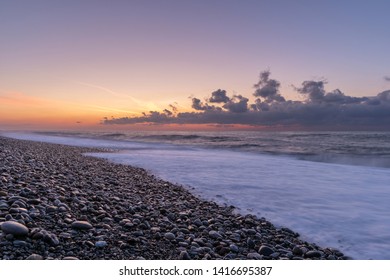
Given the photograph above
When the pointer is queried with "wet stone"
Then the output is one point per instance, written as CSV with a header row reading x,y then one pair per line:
x,y
313,254
297,251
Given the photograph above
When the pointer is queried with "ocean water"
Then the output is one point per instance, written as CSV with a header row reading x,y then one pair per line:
x,y
331,187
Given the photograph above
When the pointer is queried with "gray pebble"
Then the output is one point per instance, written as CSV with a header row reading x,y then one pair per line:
x,y
81,225
100,244
265,250
313,254
254,256
34,257
169,236
14,228
184,255
214,234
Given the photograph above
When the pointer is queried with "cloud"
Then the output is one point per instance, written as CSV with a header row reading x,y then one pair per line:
x,y
268,88
219,96
386,78
200,106
315,93
320,109
21,99
238,104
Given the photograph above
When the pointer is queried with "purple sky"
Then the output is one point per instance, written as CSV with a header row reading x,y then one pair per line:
x,y
84,60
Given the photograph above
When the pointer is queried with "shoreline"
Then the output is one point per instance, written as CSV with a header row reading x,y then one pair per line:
x,y
81,207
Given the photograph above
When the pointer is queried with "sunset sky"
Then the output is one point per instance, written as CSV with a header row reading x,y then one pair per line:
x,y
70,64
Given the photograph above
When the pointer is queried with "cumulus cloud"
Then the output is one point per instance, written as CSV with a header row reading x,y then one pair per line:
x,y
238,104
315,93
268,88
219,96
198,105
320,109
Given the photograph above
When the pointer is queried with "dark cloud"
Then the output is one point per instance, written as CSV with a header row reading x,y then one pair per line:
x,y
268,88
315,93
386,78
320,110
314,90
219,96
200,106
173,108
238,104
167,112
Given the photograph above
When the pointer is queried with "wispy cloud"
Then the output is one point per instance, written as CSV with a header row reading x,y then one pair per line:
x,y
21,99
113,93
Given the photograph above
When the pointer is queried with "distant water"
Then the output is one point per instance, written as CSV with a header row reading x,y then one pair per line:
x,y
332,187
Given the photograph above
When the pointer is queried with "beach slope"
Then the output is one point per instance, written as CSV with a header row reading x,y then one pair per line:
x,y
56,203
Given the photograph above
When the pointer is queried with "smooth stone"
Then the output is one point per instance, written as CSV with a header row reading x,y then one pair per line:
x,y
254,256
233,248
70,258
100,244
198,222
266,251
20,243
297,251
34,257
184,255
51,209
169,236
313,254
81,225
52,239
14,228
214,234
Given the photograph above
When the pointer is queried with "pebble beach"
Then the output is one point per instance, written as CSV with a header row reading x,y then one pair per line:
x,y
56,203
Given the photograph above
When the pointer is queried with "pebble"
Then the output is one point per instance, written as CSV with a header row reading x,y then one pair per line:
x,y
297,251
20,243
214,234
254,256
313,254
265,250
234,248
71,258
169,236
100,244
14,228
184,255
34,257
81,225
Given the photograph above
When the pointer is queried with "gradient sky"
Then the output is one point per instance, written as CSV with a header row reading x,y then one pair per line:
x,y
71,63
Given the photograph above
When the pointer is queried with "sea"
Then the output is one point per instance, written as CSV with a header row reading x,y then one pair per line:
x,y
331,187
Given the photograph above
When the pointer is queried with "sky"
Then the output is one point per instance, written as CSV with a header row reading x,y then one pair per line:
x,y
83,64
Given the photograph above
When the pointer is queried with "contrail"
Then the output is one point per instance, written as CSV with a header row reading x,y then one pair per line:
x,y
135,100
